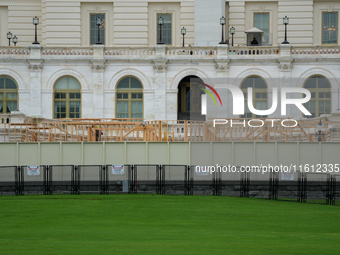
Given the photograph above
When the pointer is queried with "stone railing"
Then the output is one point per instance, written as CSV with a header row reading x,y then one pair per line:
x,y
16,52
129,51
315,50
220,52
67,51
250,50
191,51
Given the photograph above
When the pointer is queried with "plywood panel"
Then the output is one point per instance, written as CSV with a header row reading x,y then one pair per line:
x,y
265,153
93,154
135,153
244,154
179,153
287,153
114,153
309,153
8,154
200,154
50,154
72,154
28,154
157,153
330,153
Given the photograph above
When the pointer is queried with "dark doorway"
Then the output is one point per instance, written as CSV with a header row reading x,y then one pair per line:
x,y
189,99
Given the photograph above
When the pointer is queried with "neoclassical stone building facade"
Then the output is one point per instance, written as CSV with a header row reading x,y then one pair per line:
x,y
130,76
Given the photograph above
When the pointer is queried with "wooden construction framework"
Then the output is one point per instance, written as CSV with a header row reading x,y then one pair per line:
x,y
118,130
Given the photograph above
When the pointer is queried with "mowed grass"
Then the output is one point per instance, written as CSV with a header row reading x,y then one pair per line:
x,y
150,224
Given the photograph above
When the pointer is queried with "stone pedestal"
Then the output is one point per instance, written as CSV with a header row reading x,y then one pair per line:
x,y
17,117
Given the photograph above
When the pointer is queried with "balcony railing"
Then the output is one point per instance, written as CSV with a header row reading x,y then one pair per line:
x,y
195,52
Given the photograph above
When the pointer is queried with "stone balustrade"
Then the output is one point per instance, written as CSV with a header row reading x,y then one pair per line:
x,y
260,50
67,52
232,52
191,51
317,50
17,52
142,51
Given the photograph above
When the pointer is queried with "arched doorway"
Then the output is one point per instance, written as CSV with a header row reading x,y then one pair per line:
x,y
189,99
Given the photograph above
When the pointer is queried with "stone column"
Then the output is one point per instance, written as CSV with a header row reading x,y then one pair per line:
x,y
98,67
160,65
35,66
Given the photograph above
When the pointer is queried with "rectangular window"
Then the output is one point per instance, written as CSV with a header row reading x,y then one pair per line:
x,y
94,29
261,21
166,29
122,109
330,28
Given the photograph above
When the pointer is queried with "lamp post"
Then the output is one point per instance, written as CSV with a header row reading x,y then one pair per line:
x,y
98,22
285,22
15,40
9,37
232,32
222,22
36,23
160,23
319,128
183,32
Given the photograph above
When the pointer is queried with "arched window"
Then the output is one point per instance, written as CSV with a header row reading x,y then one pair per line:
x,y
67,98
129,98
259,96
320,102
8,95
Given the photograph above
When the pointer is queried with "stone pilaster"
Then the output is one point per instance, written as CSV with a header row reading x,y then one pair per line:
x,y
284,80
98,68
35,65
160,66
222,61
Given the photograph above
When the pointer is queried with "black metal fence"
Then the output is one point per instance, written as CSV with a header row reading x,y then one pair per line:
x,y
169,179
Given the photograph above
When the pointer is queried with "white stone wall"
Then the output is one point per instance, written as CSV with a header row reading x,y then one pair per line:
x,y
160,74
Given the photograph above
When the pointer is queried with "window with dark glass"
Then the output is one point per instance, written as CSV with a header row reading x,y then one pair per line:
x,y
260,96
8,95
320,102
166,28
67,98
330,28
261,21
129,98
94,29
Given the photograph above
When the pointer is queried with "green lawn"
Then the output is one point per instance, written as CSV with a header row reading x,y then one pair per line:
x,y
150,224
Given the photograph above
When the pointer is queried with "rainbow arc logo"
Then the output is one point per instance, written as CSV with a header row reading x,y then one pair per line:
x,y
204,97
209,93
